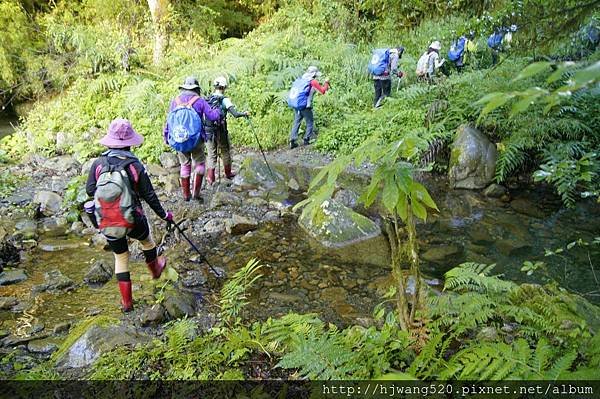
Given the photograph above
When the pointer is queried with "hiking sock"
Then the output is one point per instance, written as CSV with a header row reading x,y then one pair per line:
x,y
124,276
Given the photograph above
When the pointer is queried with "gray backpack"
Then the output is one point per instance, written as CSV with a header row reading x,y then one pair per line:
x,y
115,198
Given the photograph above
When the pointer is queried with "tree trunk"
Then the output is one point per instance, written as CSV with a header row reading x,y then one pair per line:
x,y
159,10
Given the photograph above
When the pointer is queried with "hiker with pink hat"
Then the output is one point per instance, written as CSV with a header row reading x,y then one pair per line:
x,y
118,182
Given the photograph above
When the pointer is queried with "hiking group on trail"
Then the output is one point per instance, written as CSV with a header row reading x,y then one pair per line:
x,y
196,128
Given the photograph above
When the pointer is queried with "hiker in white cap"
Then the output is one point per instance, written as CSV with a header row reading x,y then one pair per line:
x,y
430,62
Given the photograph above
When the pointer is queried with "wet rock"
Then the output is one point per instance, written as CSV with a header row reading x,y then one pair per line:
x,y
54,227
61,328
13,340
95,341
77,228
224,198
61,245
293,184
152,316
527,207
22,306
44,346
27,229
487,334
99,241
472,160
7,302
254,173
334,294
511,246
347,198
168,160
171,182
193,278
180,304
442,253
285,298
241,224
9,277
271,216
55,281
206,321
214,226
87,165
64,163
156,170
99,274
9,255
479,234
49,203
495,191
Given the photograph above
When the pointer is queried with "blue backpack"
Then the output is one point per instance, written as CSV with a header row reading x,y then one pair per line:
x,y
379,61
457,49
185,126
495,40
298,97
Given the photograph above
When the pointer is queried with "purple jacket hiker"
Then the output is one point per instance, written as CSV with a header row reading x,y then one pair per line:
x,y
201,107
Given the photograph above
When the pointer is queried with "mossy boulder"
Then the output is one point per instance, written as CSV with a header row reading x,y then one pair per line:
x,y
472,159
347,234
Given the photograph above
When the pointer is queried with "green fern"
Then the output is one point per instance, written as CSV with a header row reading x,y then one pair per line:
x,y
234,294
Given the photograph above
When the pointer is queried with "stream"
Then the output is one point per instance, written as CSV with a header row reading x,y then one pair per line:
x,y
299,273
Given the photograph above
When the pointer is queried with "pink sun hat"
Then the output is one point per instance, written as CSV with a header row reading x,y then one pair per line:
x,y
121,134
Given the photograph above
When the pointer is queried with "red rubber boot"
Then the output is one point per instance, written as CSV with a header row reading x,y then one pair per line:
x,y
210,175
196,187
185,188
157,266
228,173
126,299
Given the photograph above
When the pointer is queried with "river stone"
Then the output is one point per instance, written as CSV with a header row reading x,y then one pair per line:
x,y
168,160
61,327
55,281
95,341
49,203
44,346
472,160
293,184
54,227
224,198
336,225
180,304
526,207
511,246
271,216
99,274
57,245
254,172
7,302
334,294
214,226
240,224
9,277
346,197
284,298
442,253
495,191
9,254
87,165
152,315
256,201
63,163
193,278
487,334
156,170
171,182
479,234
26,228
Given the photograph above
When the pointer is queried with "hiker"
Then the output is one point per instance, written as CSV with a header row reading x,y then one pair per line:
x,y
184,132
384,64
217,135
500,41
429,62
457,53
118,181
300,99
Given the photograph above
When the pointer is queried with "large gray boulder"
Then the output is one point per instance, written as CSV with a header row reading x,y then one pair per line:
x,y
472,160
49,202
347,234
93,342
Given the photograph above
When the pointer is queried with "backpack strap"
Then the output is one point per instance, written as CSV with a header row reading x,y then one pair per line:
x,y
192,101
126,165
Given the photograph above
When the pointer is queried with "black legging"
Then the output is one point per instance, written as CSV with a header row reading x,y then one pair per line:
x,y
383,88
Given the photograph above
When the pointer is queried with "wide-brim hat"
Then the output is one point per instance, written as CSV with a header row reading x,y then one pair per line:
x,y
190,83
121,134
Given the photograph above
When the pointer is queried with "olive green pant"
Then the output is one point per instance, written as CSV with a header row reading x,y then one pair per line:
x,y
218,144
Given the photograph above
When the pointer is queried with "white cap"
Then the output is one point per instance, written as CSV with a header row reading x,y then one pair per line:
x,y
220,82
435,45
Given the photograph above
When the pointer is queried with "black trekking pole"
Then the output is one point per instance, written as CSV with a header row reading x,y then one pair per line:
x,y
195,248
260,147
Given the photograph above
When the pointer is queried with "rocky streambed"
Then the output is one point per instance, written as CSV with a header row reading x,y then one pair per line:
x,y
58,273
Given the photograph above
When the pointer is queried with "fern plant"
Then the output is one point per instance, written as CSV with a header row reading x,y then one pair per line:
x,y
234,294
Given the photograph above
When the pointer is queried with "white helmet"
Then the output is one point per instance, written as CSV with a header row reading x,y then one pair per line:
x,y
435,45
220,82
